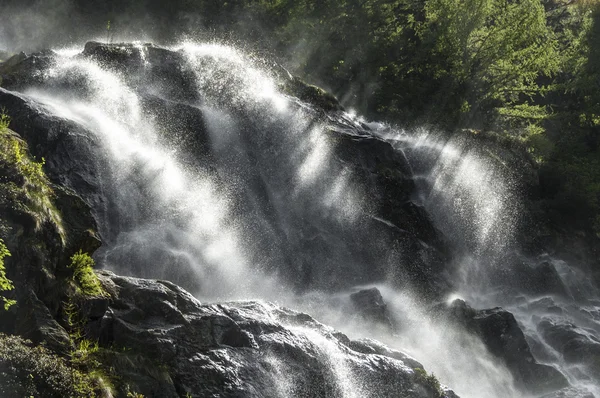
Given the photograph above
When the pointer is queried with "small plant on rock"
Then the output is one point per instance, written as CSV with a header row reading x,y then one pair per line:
x,y
5,283
429,381
84,276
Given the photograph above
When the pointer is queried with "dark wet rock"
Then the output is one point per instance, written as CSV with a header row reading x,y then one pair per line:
x,y
247,349
40,237
123,57
545,305
77,215
312,94
22,69
34,322
570,392
541,279
503,337
370,346
576,345
369,304
42,225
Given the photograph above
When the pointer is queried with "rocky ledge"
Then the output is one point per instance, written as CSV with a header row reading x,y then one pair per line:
x,y
239,349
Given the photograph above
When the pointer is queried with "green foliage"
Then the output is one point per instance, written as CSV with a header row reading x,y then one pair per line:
x,y
27,186
83,275
27,370
429,381
4,121
5,283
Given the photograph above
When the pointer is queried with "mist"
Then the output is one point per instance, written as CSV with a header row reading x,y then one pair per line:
x,y
270,211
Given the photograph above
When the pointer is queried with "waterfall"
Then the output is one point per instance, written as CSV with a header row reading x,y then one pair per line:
x,y
474,198
214,177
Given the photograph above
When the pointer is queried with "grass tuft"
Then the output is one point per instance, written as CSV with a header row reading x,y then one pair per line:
x,y
84,276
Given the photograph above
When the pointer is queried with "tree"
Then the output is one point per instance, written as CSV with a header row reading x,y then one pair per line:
x,y
493,51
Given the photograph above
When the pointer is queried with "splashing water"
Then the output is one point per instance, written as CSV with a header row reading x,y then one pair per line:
x,y
271,192
472,197
188,209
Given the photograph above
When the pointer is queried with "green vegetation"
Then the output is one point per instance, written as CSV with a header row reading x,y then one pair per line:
x,y
528,70
5,283
28,370
23,183
429,381
83,275
87,356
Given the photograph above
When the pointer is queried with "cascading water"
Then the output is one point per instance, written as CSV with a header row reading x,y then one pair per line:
x,y
212,177
474,198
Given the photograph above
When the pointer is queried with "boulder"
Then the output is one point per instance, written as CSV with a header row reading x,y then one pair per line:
x,y
248,349
576,345
369,305
503,337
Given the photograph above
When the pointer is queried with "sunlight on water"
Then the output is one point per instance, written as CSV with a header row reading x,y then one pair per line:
x,y
471,200
273,156
68,51
317,152
348,384
114,112
225,71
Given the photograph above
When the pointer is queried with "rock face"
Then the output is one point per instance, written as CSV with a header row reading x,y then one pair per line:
x,y
370,306
240,349
503,337
576,345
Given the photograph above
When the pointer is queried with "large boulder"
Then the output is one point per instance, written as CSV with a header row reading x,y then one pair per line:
x,y
248,349
370,306
503,337
577,346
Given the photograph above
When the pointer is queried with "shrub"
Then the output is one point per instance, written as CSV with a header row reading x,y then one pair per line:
x,y
27,370
84,276
429,381
5,283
